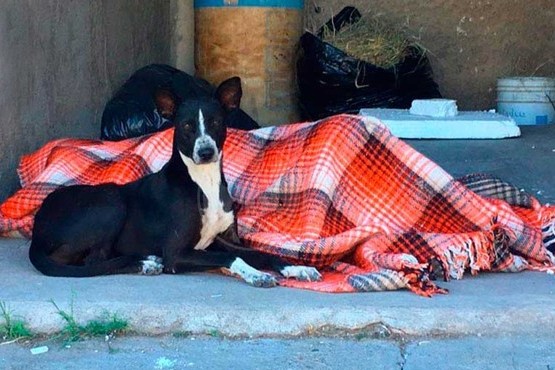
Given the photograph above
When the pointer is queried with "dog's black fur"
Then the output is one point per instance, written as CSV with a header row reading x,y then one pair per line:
x,y
162,222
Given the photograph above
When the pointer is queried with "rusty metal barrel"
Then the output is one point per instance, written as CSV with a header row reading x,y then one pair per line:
x,y
257,41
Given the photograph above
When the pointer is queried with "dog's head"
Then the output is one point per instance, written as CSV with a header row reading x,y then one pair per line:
x,y
166,103
200,128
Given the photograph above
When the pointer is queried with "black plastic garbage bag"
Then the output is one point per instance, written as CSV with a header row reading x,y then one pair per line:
x,y
132,111
332,82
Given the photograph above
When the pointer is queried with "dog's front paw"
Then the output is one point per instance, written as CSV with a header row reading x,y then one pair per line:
x,y
302,273
261,280
154,258
251,275
152,265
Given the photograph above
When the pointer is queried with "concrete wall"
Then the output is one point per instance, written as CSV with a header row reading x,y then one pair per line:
x,y
60,61
471,43
182,35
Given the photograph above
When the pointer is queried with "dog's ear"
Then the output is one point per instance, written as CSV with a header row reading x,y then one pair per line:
x,y
166,103
229,93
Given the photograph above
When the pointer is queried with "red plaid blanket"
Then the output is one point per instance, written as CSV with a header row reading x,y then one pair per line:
x,y
342,194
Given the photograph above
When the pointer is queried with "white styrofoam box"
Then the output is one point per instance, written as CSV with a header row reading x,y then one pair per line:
x,y
434,107
466,125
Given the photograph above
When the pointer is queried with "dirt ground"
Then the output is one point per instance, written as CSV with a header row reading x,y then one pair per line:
x,y
471,43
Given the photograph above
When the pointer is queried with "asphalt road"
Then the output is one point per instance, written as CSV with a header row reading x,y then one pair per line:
x,y
519,352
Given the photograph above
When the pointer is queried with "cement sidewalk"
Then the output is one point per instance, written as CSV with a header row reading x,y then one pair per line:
x,y
488,304
202,303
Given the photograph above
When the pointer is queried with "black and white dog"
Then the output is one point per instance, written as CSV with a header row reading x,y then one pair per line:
x,y
177,220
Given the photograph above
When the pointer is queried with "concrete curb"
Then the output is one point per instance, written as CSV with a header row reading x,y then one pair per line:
x,y
41,318
488,304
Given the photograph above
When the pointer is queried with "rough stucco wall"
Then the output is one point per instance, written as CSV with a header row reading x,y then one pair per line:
x,y
59,63
471,43
183,35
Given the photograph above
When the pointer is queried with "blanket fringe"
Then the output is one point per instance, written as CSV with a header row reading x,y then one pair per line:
x,y
547,219
474,251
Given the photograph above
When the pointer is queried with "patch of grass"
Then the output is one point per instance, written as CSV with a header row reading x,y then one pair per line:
x,y
215,333
71,330
182,334
110,324
362,336
12,329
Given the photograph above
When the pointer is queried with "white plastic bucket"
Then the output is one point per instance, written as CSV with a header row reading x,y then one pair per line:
x,y
527,99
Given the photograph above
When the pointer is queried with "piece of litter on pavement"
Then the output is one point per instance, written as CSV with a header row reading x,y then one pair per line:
x,y
39,350
164,363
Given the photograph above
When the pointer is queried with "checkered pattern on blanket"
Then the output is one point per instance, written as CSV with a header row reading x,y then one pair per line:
x,y
341,194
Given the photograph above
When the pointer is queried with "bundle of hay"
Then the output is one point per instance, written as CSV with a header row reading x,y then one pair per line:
x,y
370,40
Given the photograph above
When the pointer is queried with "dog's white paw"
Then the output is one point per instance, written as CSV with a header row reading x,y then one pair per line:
x,y
302,273
152,265
251,275
154,258
261,280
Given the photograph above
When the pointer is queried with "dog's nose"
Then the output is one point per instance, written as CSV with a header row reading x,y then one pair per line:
x,y
206,154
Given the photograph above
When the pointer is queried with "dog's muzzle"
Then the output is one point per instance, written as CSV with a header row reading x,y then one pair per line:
x,y
205,155
205,150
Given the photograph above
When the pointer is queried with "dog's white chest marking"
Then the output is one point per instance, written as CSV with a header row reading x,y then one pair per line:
x,y
214,219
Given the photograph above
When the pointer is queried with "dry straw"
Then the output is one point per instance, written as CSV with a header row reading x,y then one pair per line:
x,y
370,40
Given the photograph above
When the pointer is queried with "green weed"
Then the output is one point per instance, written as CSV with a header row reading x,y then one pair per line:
x,y
110,325
11,328
107,325
215,333
182,334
